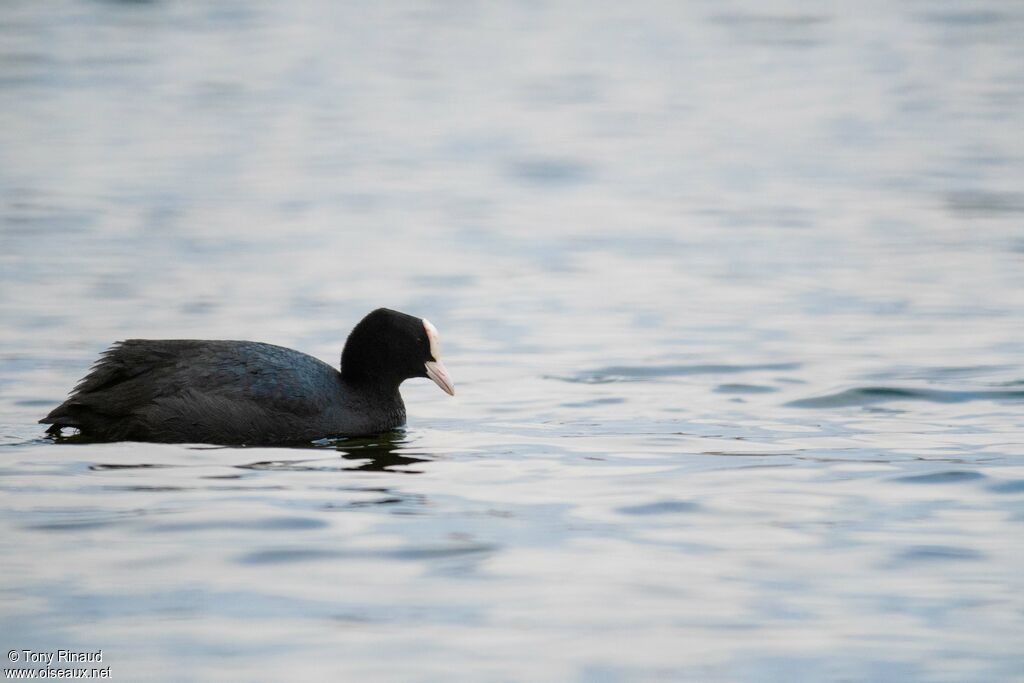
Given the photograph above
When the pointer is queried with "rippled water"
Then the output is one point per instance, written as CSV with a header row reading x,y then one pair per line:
x,y
732,295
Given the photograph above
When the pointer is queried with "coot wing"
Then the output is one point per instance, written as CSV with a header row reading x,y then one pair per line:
x,y
139,381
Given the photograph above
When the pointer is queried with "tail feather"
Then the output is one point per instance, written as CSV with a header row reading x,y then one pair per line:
x,y
87,420
104,401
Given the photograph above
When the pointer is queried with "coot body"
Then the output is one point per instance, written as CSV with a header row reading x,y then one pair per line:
x,y
243,392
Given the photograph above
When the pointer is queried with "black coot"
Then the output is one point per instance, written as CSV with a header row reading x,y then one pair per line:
x,y
240,392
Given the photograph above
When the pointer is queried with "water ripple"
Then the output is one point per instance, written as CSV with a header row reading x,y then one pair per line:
x,y
951,477
935,553
639,373
289,555
863,396
664,507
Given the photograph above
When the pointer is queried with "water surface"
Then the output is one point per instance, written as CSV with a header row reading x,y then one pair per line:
x,y
732,296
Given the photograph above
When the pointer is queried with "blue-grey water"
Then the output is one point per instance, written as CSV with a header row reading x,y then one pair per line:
x,y
732,294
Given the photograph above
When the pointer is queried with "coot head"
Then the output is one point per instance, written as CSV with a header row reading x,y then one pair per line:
x,y
388,347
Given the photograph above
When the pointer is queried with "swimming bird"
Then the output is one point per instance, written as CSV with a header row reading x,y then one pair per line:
x,y
243,392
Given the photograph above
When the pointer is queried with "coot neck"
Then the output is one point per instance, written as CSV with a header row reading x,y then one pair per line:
x,y
372,387
378,403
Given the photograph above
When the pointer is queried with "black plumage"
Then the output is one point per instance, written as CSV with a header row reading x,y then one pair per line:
x,y
242,392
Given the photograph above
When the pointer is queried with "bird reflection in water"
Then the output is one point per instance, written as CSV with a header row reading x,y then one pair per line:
x,y
379,453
